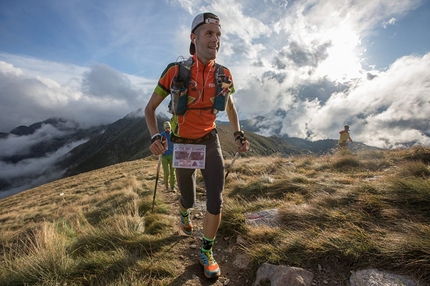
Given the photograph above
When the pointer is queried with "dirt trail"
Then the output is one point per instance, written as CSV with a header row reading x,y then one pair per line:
x,y
225,248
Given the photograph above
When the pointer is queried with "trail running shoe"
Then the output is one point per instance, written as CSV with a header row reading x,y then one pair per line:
x,y
210,266
186,225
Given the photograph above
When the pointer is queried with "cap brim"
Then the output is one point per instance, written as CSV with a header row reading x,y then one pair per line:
x,y
192,49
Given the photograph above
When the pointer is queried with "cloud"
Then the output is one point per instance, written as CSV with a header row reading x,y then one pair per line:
x,y
298,69
21,145
310,79
32,172
99,95
298,63
389,110
34,167
392,21
105,82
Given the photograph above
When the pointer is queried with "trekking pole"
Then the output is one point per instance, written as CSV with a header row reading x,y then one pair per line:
x,y
156,181
229,167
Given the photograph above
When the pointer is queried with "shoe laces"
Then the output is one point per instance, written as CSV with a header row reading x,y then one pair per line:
x,y
186,219
208,257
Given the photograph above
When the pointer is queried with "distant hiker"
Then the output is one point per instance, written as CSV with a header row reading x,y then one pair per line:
x,y
344,137
167,159
199,88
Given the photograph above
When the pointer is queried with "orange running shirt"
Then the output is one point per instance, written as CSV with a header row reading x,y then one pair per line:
x,y
199,119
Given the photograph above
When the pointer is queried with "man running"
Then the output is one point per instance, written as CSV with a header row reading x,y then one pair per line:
x,y
344,137
167,159
194,129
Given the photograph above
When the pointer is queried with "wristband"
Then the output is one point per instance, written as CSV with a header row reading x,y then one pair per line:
x,y
238,134
240,138
155,137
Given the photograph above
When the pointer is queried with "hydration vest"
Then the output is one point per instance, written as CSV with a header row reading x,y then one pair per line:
x,y
178,104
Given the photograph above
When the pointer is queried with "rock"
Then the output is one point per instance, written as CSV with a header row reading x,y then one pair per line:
x,y
374,277
241,261
281,275
263,218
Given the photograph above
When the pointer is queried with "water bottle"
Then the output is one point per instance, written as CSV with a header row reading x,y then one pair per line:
x,y
179,96
223,90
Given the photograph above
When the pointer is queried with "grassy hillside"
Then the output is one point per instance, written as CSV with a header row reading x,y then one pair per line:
x,y
338,213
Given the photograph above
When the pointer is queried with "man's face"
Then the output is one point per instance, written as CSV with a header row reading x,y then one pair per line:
x,y
208,41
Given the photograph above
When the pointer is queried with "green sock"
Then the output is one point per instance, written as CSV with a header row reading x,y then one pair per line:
x,y
185,213
207,243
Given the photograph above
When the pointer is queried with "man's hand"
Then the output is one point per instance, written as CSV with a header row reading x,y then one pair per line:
x,y
241,142
242,145
158,146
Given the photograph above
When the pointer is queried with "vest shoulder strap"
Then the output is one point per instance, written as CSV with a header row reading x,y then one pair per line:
x,y
185,71
184,74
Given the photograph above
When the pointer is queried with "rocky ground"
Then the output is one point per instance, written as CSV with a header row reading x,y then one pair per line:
x,y
225,251
228,251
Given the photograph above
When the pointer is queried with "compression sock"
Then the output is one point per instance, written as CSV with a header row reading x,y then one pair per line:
x,y
185,213
207,244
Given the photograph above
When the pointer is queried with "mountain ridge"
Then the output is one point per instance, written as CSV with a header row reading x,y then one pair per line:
x,y
128,139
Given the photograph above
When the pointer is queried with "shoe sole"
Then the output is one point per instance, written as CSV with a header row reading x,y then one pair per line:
x,y
186,232
213,275
182,228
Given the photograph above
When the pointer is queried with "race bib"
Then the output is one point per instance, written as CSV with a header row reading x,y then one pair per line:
x,y
189,156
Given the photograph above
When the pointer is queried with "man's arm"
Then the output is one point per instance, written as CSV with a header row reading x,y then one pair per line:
x,y
242,145
157,146
150,116
232,114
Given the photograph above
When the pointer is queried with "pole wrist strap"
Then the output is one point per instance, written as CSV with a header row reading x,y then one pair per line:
x,y
155,137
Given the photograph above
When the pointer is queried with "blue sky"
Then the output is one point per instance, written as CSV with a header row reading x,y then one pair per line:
x,y
308,66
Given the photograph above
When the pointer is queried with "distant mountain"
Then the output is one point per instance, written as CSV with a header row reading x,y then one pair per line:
x,y
260,123
67,131
324,146
59,123
124,140
27,152
260,145
129,139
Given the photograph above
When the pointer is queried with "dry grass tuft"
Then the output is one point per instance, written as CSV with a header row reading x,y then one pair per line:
x,y
345,211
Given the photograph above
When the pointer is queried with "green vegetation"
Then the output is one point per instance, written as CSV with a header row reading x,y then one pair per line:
x,y
346,211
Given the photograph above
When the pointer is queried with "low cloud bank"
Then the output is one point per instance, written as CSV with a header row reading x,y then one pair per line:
x,y
18,174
